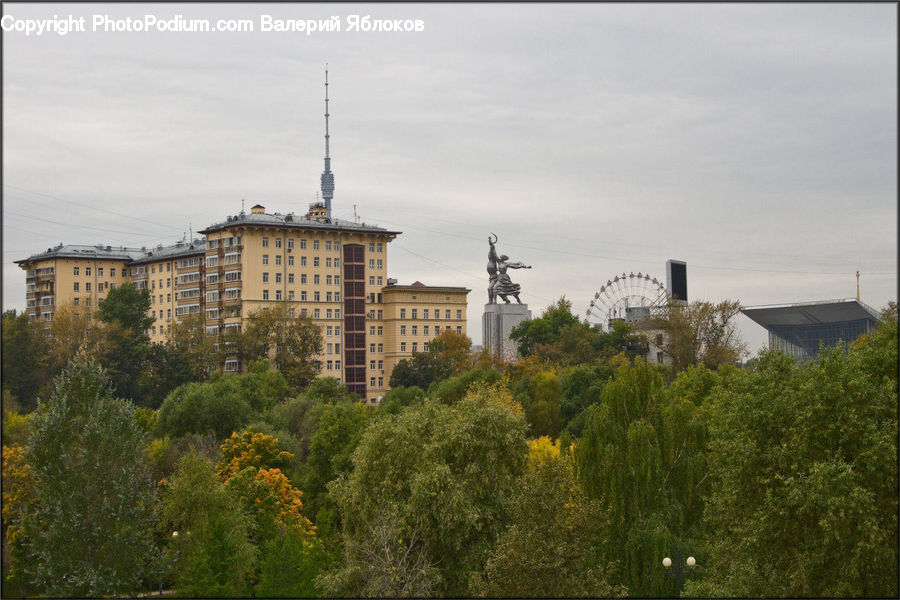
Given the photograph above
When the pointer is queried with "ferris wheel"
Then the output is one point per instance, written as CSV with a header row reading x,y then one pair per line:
x,y
630,298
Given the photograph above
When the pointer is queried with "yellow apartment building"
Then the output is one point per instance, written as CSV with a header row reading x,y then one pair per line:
x,y
413,316
73,274
333,271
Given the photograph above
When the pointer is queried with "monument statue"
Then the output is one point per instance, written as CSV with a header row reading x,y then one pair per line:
x,y
500,283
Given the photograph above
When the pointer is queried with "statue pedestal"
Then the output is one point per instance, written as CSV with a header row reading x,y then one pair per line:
x,y
496,323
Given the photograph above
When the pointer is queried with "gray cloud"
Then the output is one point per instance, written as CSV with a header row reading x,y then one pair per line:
x,y
757,142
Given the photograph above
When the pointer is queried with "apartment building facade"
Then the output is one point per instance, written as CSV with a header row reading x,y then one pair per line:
x,y
333,271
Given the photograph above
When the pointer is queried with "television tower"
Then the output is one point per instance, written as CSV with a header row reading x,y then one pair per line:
x,y
327,175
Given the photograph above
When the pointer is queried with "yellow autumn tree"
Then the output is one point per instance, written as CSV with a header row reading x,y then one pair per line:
x,y
18,494
251,449
494,392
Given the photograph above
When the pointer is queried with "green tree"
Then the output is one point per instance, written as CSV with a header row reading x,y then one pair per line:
x,y
421,370
340,428
210,553
453,389
702,333
550,547
290,562
442,476
642,456
217,405
543,412
25,358
290,342
544,330
89,528
804,488
125,347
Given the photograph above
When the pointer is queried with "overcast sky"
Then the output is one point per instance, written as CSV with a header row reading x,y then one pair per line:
x,y
757,142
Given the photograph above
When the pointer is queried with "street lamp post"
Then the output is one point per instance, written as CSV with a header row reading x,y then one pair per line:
x,y
679,572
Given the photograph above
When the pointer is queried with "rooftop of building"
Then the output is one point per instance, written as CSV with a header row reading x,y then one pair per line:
x,y
418,285
183,248
811,313
308,221
84,251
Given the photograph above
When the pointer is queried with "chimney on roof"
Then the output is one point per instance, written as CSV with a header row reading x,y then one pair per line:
x,y
258,209
317,210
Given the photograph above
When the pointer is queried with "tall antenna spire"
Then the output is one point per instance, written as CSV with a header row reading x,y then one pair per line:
x,y
327,175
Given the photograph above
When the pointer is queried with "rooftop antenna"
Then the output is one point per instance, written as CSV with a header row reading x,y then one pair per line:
x,y
327,175
857,285
191,229
242,206
355,218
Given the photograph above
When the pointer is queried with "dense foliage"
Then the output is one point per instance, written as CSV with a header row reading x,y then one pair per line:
x,y
571,472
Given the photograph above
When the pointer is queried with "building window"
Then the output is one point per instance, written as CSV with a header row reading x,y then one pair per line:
x,y
659,355
278,294
265,242
76,286
317,297
303,295
402,313
290,278
327,296
87,271
291,297
372,332
381,382
87,285
402,346
278,242
231,365
75,271
265,278
327,245
371,382
277,277
371,246
317,314
303,278
415,330
265,259
380,264
459,313
415,346
425,330
291,260
371,263
380,348
112,271
379,246
303,244
302,261
277,259
447,314
415,313
380,281
328,313
316,280
99,271
290,243
458,329
315,261
315,244
265,294
372,348
329,348
74,301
